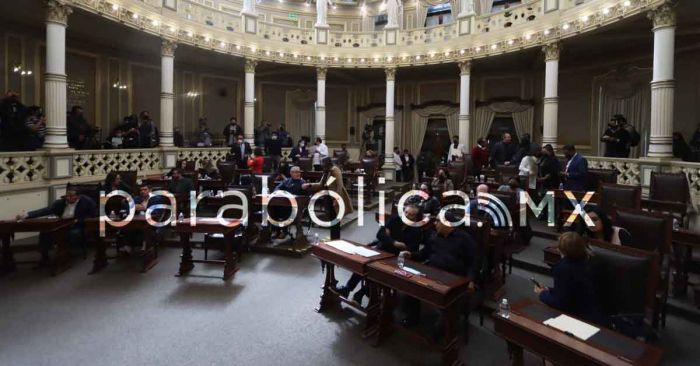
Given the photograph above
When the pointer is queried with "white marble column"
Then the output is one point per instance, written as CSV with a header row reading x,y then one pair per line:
x,y
167,96
389,124
57,13
662,83
249,105
551,94
464,79
321,103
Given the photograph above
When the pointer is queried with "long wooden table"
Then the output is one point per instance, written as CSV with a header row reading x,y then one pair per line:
x,y
438,288
524,329
56,227
683,241
357,264
208,226
138,222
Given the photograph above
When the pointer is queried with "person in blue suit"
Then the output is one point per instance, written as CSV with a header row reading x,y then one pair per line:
x,y
576,170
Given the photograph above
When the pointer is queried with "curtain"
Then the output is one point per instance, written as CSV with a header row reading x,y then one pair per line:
x,y
421,14
299,112
483,116
523,121
419,123
484,7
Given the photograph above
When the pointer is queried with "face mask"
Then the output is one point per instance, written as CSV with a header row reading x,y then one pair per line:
x,y
274,137
302,144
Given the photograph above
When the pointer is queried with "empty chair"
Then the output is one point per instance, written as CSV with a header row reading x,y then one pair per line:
x,y
596,177
613,196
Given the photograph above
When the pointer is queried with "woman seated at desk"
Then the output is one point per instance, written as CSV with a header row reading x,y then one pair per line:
x,y
602,228
574,291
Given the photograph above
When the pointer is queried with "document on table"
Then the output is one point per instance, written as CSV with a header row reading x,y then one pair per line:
x,y
575,327
350,248
413,271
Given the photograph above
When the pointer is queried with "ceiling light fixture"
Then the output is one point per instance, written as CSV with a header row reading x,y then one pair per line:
x,y
478,49
222,44
417,57
584,18
135,16
115,7
627,3
606,11
461,52
546,32
528,36
154,23
510,42
565,26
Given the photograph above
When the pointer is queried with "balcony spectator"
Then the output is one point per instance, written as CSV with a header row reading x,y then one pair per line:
x,y
231,131
148,132
681,150
130,132
115,140
36,123
203,136
12,117
284,136
178,139
273,148
80,133
616,139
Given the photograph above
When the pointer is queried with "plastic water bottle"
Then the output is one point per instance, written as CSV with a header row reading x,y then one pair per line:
x,y
676,224
316,241
504,308
401,260
181,217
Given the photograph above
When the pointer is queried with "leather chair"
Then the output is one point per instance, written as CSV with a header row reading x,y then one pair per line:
x,y
651,232
341,157
627,281
227,169
457,174
669,193
613,196
305,164
597,176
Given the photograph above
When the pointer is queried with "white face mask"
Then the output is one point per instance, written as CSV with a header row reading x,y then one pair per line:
x,y
274,137
302,144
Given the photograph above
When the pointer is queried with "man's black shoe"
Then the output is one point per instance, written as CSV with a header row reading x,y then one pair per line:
x,y
343,291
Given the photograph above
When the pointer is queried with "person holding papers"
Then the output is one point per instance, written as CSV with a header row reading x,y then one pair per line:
x,y
574,292
395,237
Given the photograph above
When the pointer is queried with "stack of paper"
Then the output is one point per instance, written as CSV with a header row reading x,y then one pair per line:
x,y
413,271
577,328
350,248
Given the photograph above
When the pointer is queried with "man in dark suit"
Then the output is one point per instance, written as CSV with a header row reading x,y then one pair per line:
x,y
241,151
503,151
576,170
71,206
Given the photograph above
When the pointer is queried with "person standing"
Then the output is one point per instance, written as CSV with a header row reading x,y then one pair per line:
x,y
456,151
299,151
335,185
79,131
36,123
503,151
12,117
549,169
231,132
397,164
480,155
273,148
320,153
241,151
616,139
407,163
528,169
148,133
576,170
256,162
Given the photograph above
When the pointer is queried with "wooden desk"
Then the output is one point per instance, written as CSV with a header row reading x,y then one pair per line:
x,y
354,263
300,244
149,254
56,227
524,330
210,226
438,288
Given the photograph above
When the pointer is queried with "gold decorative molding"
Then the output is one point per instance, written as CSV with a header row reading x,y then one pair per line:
x,y
390,73
465,67
321,73
551,51
250,65
664,15
57,11
167,48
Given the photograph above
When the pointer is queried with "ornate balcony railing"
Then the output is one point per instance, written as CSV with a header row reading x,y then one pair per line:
x,y
201,24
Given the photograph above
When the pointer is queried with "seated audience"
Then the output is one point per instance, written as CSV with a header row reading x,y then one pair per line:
x,y
442,182
394,238
431,205
294,185
208,169
256,162
447,248
602,228
299,151
179,184
477,208
574,290
576,170
113,181
71,206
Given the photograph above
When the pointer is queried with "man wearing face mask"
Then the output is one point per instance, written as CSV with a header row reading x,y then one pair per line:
x,y
299,151
456,150
442,182
241,151
616,139
273,148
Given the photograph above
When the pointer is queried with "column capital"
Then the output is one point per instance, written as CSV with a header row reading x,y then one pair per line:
x,y
250,65
551,51
465,67
664,15
390,73
167,48
321,73
57,11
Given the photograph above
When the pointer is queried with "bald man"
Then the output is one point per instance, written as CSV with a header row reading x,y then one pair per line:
x,y
475,209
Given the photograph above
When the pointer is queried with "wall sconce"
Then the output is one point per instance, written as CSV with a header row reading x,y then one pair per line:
x,y
19,70
192,94
118,85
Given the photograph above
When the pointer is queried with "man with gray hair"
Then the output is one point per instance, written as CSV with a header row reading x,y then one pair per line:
x,y
294,185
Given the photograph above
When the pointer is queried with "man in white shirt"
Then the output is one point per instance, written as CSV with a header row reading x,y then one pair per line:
x,y
320,152
456,150
398,163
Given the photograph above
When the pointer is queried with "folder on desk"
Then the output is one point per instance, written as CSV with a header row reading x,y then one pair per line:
x,y
350,248
577,328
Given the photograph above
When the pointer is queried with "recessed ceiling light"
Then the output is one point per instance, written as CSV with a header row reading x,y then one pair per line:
x,y
222,44
461,52
546,32
565,26
154,22
417,57
206,38
238,47
606,11
281,54
308,58
447,53
115,7
267,53
135,16
493,46
584,18
362,60
510,42
478,49
189,34
172,29
528,36
627,3
335,59
389,58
